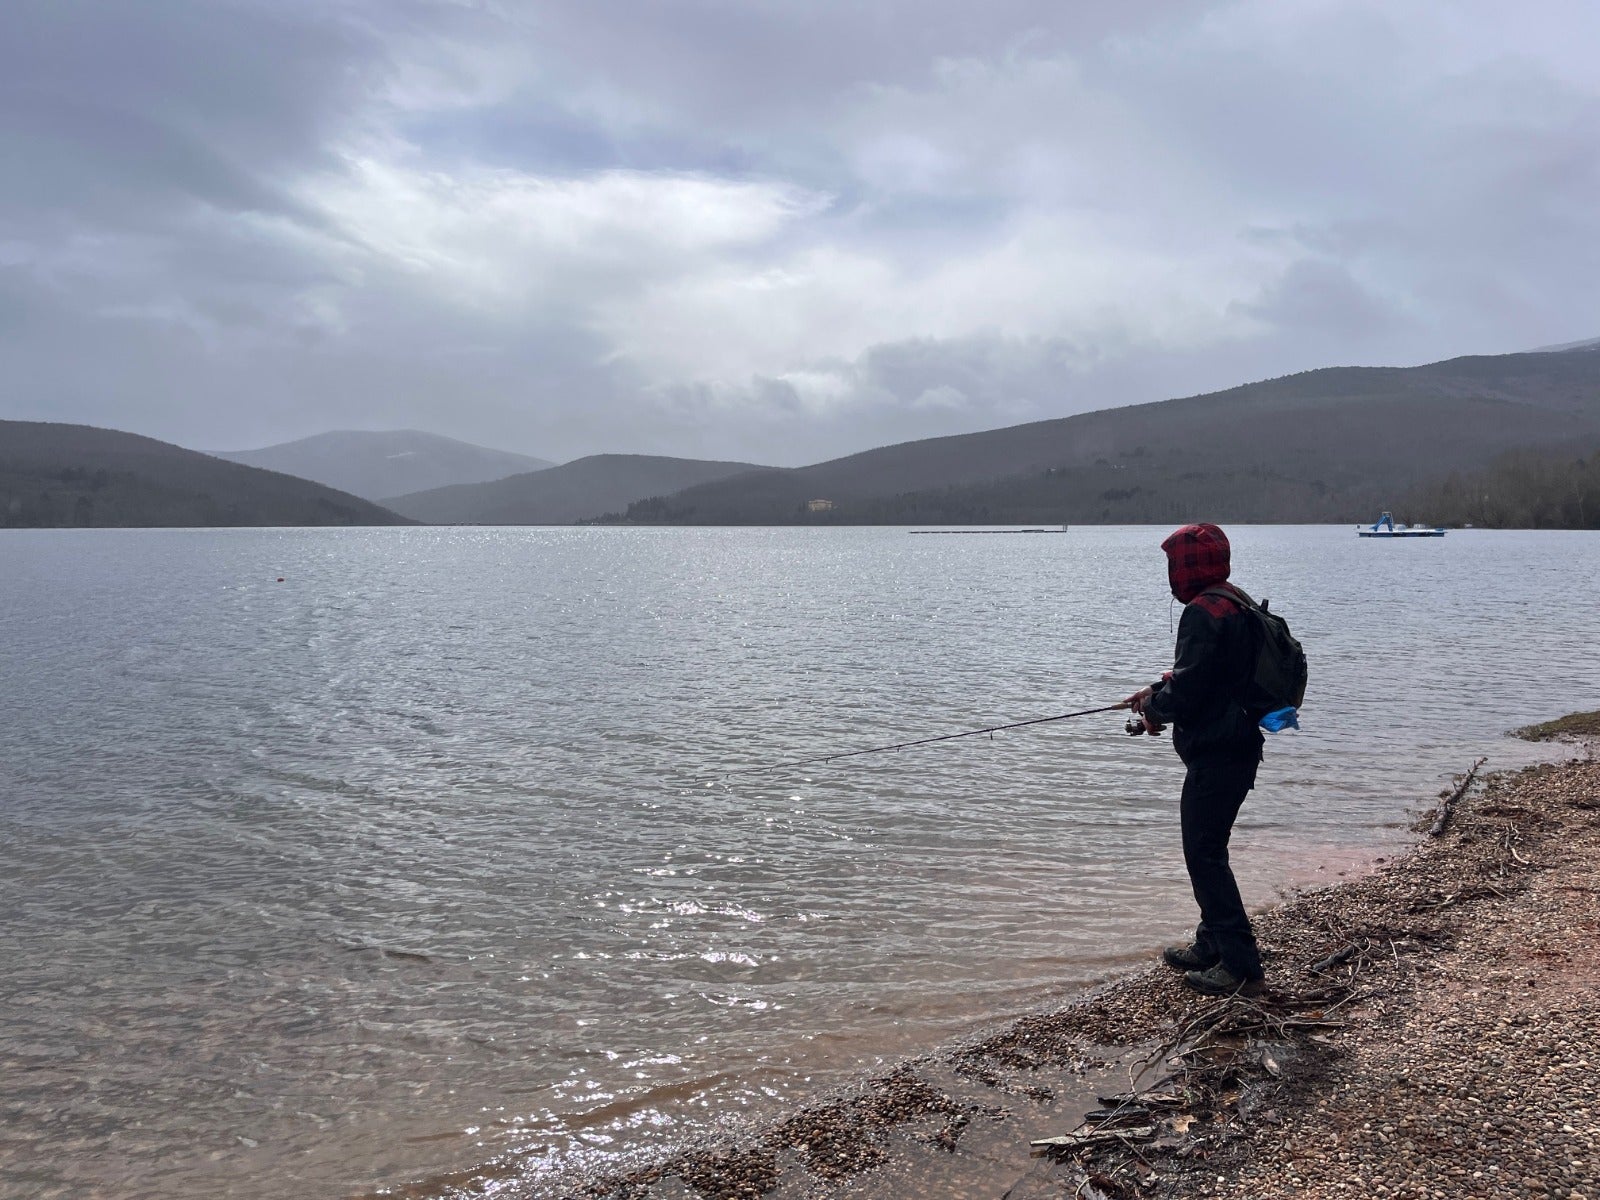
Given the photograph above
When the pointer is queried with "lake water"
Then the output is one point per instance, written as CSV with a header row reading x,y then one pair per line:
x,y
426,855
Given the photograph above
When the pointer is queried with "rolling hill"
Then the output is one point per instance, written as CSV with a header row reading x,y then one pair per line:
x,y
1323,445
55,475
586,487
375,465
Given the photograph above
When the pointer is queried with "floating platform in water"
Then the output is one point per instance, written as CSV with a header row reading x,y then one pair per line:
x,y
1062,529
1384,527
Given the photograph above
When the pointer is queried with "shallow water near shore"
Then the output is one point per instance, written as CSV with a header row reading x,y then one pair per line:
x,y
426,855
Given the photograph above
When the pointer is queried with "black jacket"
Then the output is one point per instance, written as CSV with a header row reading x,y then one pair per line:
x,y
1214,660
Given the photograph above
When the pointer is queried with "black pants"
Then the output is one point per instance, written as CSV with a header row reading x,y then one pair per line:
x,y
1213,790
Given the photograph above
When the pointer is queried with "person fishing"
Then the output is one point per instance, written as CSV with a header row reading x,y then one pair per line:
x,y
1202,698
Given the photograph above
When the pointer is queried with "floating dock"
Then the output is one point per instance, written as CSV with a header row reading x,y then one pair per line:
x,y
1063,529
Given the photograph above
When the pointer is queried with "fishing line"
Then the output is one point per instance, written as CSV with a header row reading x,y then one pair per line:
x,y
822,758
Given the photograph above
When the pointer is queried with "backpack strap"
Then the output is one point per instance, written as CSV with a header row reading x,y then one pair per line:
x,y
1228,591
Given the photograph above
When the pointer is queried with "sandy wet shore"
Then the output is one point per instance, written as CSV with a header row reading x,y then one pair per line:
x,y
1430,1030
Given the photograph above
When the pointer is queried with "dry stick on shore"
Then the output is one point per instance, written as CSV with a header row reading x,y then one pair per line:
x,y
1338,957
1446,808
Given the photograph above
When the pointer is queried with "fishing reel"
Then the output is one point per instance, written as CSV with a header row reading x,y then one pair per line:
x,y
1135,727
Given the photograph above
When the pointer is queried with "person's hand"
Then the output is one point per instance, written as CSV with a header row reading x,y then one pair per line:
x,y
1139,699
1151,727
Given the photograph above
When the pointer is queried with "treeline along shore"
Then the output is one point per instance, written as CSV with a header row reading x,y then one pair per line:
x,y
1523,489
1430,1030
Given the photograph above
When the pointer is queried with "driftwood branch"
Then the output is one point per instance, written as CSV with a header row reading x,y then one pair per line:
x,y
1068,1142
1337,958
1448,806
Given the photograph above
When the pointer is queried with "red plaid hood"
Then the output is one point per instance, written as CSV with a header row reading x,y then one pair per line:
x,y
1197,558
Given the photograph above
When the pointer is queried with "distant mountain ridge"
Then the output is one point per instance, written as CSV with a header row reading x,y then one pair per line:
x,y
54,475
1318,446
584,488
386,463
1586,344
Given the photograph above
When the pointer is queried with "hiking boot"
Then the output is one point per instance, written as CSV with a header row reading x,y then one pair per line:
x,y
1219,981
1187,958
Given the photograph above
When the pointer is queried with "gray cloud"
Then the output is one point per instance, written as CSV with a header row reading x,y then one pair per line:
x,y
1319,298
110,111
778,232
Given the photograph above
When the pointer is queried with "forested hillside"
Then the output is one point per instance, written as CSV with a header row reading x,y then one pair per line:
x,y
1326,445
77,475
1521,490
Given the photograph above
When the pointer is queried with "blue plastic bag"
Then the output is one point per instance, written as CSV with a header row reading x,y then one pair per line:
x,y
1280,719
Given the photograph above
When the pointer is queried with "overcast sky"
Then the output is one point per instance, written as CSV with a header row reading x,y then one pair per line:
x,y
774,230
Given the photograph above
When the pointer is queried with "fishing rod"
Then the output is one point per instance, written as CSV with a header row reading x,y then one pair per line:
x,y
803,762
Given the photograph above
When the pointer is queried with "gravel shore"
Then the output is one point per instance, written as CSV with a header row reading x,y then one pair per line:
x,y
1430,1030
